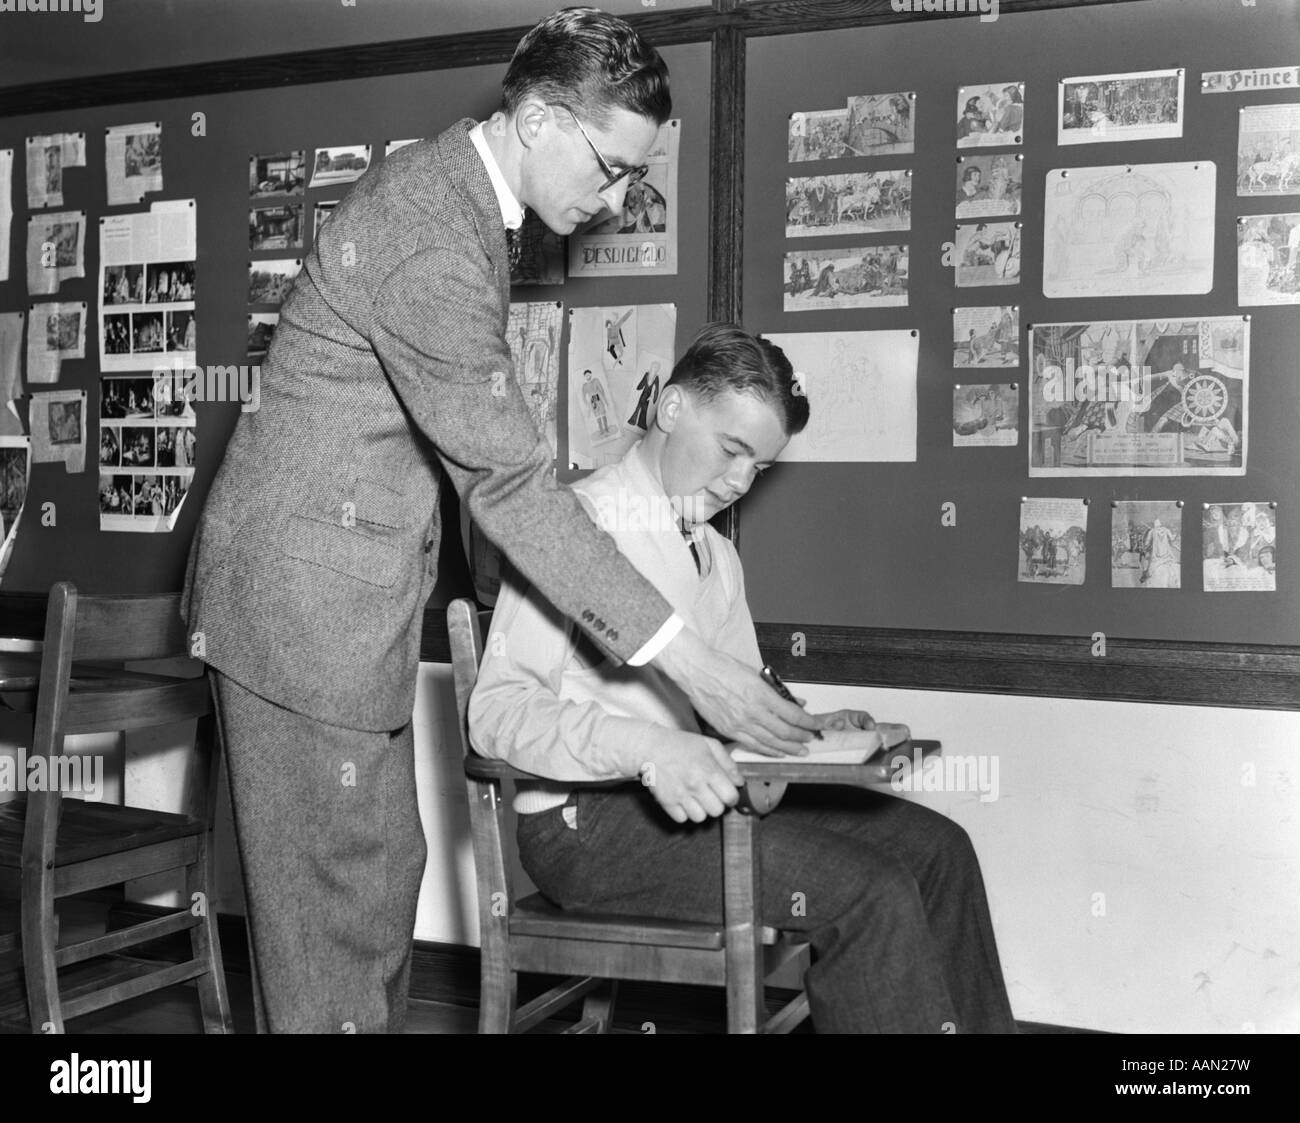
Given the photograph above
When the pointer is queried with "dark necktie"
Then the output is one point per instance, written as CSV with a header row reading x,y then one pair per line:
x,y
514,248
695,553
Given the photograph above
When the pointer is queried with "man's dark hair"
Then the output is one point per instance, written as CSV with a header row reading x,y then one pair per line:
x,y
591,62
725,357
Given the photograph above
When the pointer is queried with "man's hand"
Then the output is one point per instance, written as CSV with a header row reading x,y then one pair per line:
x,y
691,776
734,700
846,719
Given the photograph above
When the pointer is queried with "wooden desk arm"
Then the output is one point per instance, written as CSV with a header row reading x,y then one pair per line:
x,y
765,783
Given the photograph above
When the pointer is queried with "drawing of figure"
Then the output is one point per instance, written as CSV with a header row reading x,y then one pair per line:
x,y
827,285
973,119
649,387
1162,558
1010,111
615,343
971,186
591,394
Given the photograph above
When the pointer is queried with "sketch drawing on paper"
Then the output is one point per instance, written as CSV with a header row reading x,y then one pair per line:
x,y
1132,230
1268,259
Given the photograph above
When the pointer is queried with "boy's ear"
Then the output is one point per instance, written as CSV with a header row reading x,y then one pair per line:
x,y
671,402
528,121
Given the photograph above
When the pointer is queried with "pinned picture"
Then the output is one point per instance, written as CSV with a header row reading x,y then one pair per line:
x,y
991,115
1146,544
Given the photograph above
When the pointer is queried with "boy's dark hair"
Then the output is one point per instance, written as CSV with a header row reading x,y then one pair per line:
x,y
590,62
725,357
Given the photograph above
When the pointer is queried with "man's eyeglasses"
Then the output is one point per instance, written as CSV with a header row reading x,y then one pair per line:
x,y
632,175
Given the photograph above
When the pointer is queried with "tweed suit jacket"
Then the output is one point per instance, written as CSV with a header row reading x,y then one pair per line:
x,y
317,547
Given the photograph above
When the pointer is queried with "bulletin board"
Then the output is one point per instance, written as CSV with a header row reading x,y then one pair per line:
x,y
213,169
867,545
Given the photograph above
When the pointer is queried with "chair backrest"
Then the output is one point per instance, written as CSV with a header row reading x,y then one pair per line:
x,y
465,624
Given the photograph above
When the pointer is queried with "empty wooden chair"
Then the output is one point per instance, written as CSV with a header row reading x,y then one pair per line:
x,y
595,949
52,847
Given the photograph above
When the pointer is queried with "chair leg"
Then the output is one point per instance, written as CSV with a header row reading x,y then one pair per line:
x,y
40,976
205,944
744,952
599,1004
498,999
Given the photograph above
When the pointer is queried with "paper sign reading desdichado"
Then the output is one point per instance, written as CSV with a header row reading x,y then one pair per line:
x,y
839,746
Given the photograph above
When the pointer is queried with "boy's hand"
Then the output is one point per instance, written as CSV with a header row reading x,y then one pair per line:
x,y
692,777
846,719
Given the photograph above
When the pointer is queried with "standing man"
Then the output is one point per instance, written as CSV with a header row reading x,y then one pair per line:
x,y
318,546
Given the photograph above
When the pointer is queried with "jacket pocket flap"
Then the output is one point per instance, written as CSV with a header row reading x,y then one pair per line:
x,y
344,550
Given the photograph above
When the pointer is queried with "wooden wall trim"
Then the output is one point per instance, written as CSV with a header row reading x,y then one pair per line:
x,y
1237,676
441,52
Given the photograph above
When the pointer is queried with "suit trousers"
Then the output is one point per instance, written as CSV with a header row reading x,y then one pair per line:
x,y
889,892
333,852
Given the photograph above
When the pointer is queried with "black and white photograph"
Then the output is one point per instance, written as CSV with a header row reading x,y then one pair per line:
x,y
126,398
1239,547
1268,259
261,326
880,124
269,282
175,446
987,253
117,333
278,173
124,284
138,446
65,422
986,336
985,415
991,115
181,330
339,164
1146,544
147,333
847,277
63,330
133,161
275,228
13,482
989,186
110,446
170,282
115,493
818,135
1268,150
56,251
321,210
1105,108
852,203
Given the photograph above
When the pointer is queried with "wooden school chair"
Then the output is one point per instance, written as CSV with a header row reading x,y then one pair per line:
x,y
595,949
52,847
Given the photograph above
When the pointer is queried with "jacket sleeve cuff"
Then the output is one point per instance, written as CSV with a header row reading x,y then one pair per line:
x,y
657,642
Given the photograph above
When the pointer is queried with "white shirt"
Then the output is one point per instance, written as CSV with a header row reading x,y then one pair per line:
x,y
549,703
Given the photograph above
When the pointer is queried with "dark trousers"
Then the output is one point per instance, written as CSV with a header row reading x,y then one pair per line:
x,y
333,852
889,892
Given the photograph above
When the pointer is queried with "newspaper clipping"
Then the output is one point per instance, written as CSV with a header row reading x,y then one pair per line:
x,y
147,451
1053,541
1268,150
1103,108
59,428
987,253
133,162
619,360
986,337
148,287
1268,259
856,203
861,388
641,240
986,415
11,343
15,471
269,282
1242,81
1239,549
6,207
988,186
848,277
1146,544
990,115
55,331
1140,398
56,250
1135,230
47,156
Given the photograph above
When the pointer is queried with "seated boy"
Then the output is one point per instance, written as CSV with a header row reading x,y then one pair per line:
x,y
889,892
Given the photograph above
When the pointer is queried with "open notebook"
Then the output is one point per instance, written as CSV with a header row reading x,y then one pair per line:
x,y
839,746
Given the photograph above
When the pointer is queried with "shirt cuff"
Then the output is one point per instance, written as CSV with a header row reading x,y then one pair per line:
x,y
657,642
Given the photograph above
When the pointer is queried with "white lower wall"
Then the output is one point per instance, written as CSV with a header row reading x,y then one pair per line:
x,y
1142,862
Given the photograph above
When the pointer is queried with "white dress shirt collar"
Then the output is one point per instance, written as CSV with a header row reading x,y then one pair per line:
x,y
512,214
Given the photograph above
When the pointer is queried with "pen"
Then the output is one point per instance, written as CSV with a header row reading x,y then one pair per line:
x,y
773,680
